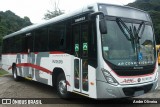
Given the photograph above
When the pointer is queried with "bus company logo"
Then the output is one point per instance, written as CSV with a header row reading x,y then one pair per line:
x,y
80,19
147,79
139,79
138,68
128,81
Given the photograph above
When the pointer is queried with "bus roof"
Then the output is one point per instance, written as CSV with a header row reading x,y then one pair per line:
x,y
90,7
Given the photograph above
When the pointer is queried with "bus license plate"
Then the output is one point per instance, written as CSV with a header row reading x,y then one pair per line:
x,y
137,93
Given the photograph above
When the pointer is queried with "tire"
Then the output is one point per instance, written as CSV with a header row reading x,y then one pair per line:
x,y
62,87
15,76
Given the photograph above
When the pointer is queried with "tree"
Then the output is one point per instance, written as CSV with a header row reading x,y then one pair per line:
x,y
27,19
54,13
10,22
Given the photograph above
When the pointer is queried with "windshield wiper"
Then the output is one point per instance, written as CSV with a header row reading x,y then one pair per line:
x,y
122,25
140,26
130,35
137,33
134,34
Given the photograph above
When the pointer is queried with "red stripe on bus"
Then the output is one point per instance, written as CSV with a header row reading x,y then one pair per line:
x,y
23,53
33,66
68,83
36,52
57,52
10,68
53,52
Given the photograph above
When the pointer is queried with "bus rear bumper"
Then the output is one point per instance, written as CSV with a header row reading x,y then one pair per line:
x,y
106,91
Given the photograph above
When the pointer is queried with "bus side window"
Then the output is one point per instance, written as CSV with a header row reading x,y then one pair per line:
x,y
18,44
68,36
4,46
57,37
29,42
41,40
51,37
24,43
54,38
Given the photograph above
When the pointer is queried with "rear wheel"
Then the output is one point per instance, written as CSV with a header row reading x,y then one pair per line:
x,y
15,76
62,86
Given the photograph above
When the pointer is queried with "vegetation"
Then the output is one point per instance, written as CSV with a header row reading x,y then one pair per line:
x,y
3,72
54,13
153,8
51,14
9,23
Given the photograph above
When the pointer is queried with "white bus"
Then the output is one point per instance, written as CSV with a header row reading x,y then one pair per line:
x,y
99,51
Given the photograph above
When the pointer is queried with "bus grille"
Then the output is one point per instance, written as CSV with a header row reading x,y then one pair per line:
x,y
132,72
131,91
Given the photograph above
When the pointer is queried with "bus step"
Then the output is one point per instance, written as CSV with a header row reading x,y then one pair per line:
x,y
28,78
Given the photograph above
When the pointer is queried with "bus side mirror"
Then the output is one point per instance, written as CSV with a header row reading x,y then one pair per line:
x,y
102,22
102,26
94,14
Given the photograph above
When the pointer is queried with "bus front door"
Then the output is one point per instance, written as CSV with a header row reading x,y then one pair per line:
x,y
80,34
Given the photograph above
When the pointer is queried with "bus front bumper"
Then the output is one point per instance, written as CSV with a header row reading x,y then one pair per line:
x,y
105,90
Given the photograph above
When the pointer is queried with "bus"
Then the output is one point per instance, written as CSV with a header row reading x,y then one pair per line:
x,y
100,51
158,53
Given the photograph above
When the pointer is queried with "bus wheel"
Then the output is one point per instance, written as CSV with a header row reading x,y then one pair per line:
x,y
62,86
15,76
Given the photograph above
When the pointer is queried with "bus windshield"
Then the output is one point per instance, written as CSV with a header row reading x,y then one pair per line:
x,y
124,46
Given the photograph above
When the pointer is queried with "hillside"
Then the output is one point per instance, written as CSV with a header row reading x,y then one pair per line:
x,y
153,8
9,23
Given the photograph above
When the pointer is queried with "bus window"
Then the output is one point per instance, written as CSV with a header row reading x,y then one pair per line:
x,y
41,40
57,37
28,41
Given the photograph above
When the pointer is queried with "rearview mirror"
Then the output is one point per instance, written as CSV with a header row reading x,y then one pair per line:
x,y
102,22
102,26
93,15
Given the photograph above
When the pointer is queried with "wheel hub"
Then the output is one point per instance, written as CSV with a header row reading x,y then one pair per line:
x,y
62,87
14,74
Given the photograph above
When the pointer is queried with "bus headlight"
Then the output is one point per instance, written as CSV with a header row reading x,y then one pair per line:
x,y
109,77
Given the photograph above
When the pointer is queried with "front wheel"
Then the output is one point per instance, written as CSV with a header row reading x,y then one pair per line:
x,y
15,76
62,87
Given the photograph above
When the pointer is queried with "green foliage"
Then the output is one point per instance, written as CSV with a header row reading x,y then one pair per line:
x,y
153,8
54,13
3,72
51,14
9,23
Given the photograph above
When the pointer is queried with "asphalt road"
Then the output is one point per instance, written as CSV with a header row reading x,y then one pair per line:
x,y
30,89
